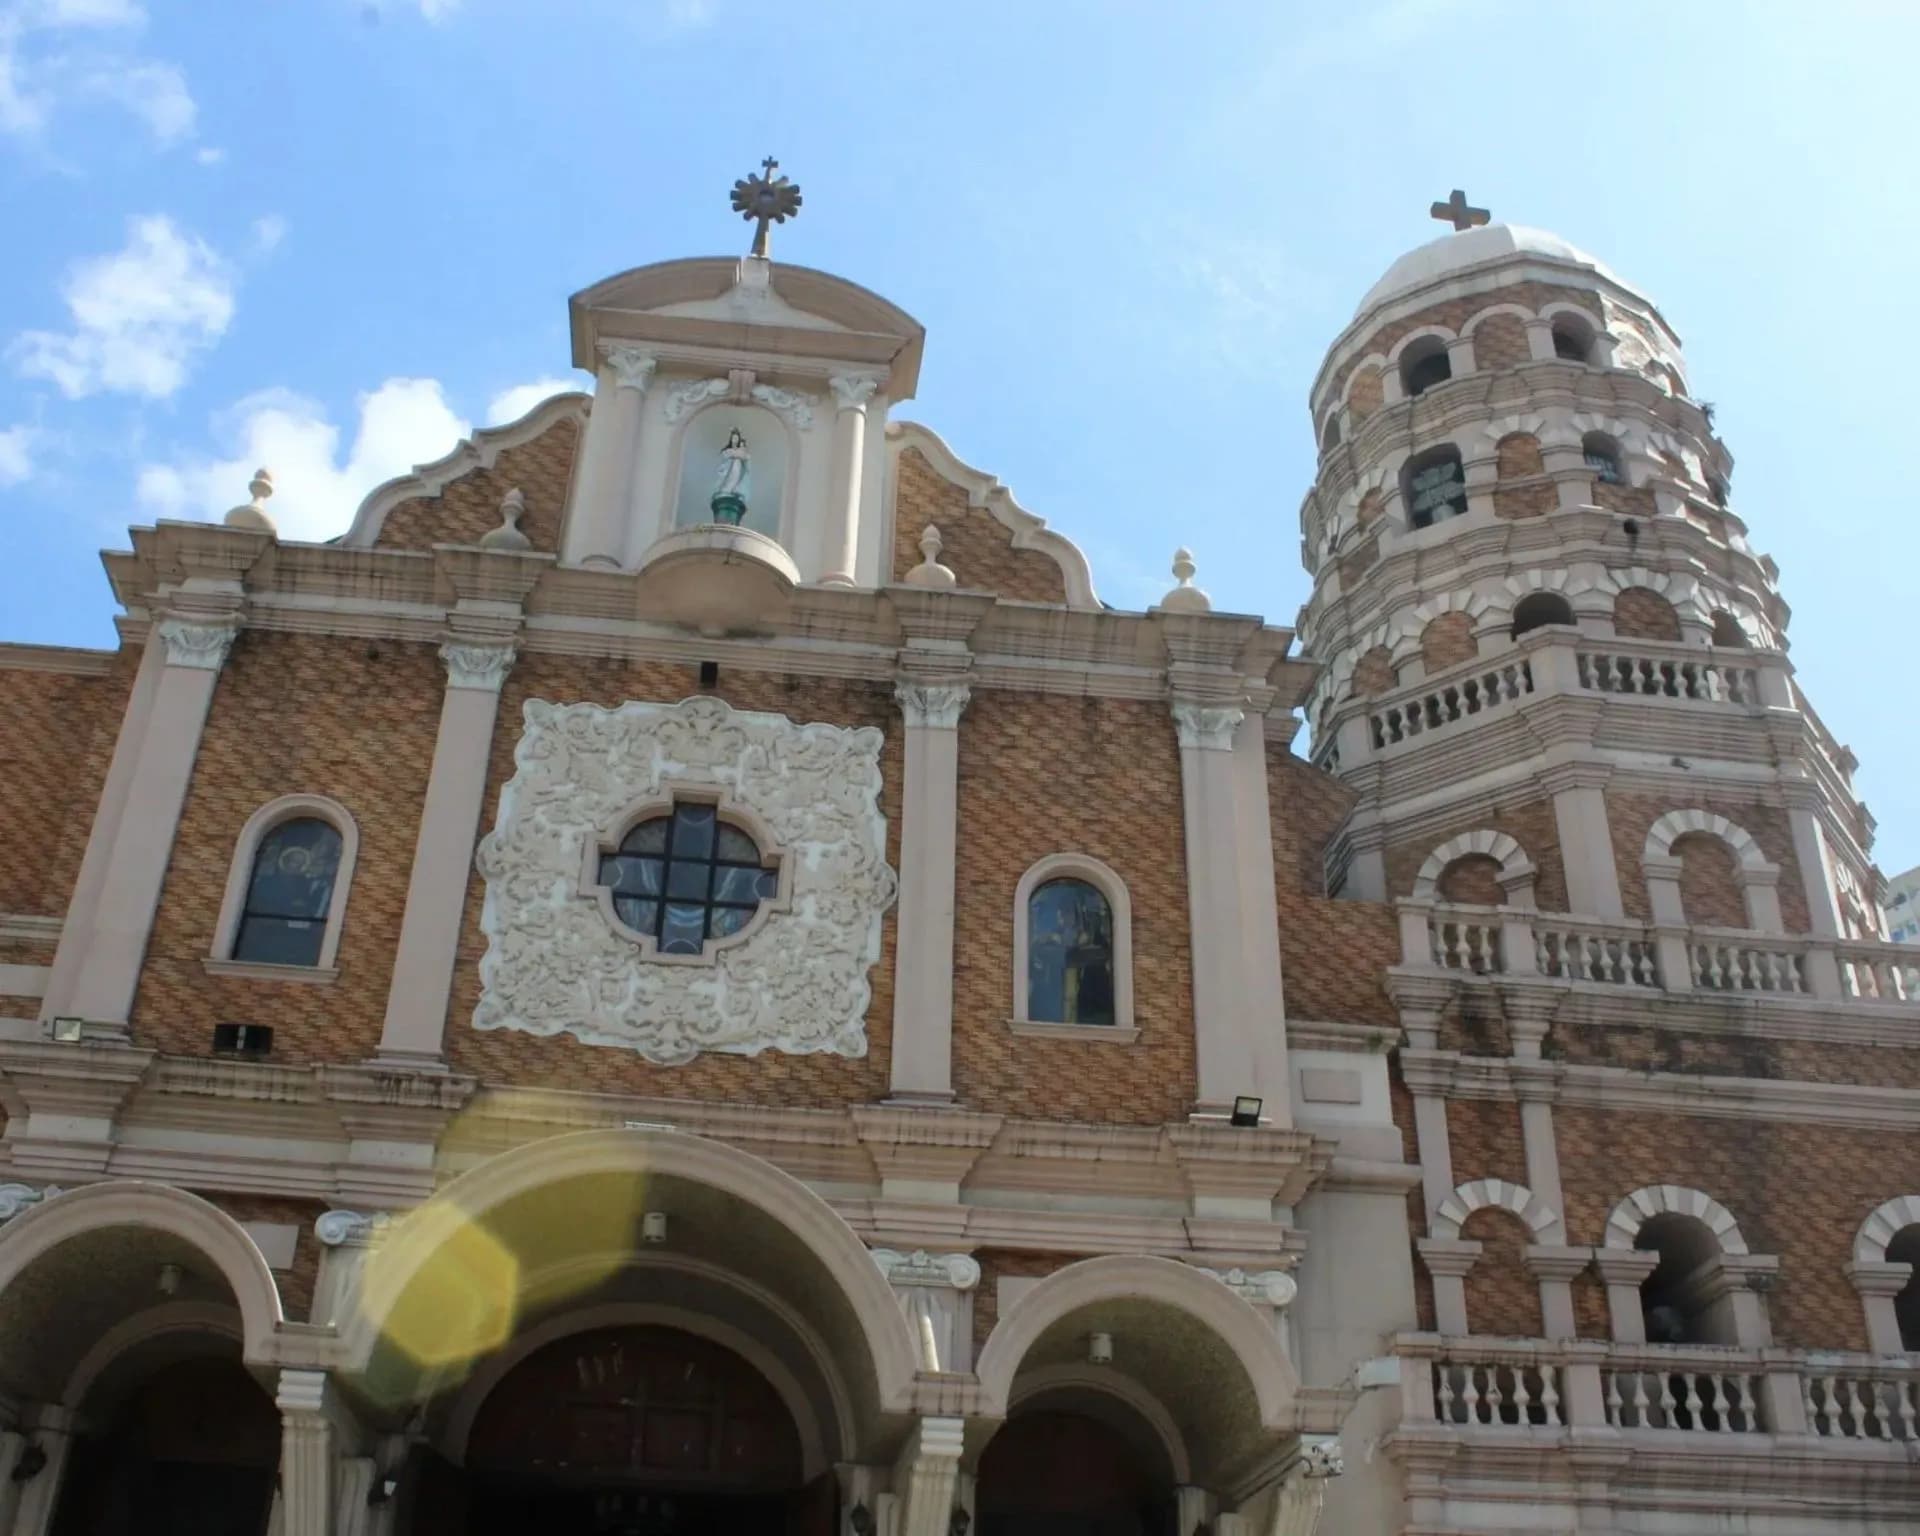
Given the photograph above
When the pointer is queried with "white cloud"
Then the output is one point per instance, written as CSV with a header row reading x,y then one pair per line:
x,y
512,404
57,53
688,15
210,155
268,231
316,490
434,11
140,316
16,455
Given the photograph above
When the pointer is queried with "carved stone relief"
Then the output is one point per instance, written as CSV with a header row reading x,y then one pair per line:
x,y
556,964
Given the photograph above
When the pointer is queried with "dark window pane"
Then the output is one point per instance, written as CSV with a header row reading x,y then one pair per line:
x,y
640,916
279,940
1069,955
685,931
736,847
687,881
633,877
648,837
693,831
728,920
732,882
294,869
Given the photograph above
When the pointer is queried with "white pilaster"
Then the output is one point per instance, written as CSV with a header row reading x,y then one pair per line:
x,y
926,1477
1815,859
609,451
306,1454
840,552
109,971
1586,850
923,947
443,853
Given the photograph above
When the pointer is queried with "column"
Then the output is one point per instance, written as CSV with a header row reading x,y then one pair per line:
x,y
443,853
1623,1270
936,1293
1815,859
841,551
76,931
1223,1053
597,529
306,1454
52,1435
1878,1283
1449,1260
1259,909
927,1475
923,944
1586,847
109,970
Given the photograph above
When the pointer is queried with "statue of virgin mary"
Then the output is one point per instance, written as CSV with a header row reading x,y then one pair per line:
x,y
733,481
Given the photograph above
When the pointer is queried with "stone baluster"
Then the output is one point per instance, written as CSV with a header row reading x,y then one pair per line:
x,y
443,852
609,451
107,973
841,556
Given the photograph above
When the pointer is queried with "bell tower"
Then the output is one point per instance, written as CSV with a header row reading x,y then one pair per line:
x,y
1555,669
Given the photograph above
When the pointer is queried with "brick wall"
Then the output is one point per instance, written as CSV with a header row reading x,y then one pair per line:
x,y
1640,613
1521,489
1531,824
1473,880
975,545
351,719
55,744
1739,1055
468,507
1591,1317
1632,500
1448,640
1484,1138
1373,673
1371,506
1517,455
1500,341
1535,499
997,1264
296,1284
507,1056
1710,893
1503,1299
1043,775
1798,1191
1630,814
1367,395
1455,313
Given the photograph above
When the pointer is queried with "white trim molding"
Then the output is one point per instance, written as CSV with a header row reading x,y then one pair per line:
x,y
1640,1207
1084,867
1758,877
1886,1223
1516,871
269,817
1492,1194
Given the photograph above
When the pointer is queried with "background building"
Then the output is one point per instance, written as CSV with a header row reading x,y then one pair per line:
x,y
1902,908
688,972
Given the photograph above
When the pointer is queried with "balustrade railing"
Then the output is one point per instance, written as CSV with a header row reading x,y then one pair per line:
x,y
1684,1398
1881,1404
1509,941
1668,677
1447,702
1480,1391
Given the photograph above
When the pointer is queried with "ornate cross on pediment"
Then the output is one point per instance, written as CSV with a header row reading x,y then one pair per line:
x,y
765,199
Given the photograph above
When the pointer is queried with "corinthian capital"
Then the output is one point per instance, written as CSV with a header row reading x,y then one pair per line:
x,y
483,667
632,366
194,644
1208,726
934,705
852,391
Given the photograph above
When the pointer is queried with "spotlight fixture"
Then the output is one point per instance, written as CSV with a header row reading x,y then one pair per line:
x,y
1246,1110
653,1227
168,1280
1100,1349
66,1031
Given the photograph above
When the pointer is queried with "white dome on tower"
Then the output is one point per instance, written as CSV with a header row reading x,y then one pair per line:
x,y
1457,253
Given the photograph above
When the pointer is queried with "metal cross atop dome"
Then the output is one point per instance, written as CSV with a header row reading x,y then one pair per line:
x,y
1456,212
767,198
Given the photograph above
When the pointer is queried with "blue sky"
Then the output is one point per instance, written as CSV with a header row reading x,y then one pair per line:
x,y
331,234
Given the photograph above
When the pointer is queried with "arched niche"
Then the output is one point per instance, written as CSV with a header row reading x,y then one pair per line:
x,y
770,498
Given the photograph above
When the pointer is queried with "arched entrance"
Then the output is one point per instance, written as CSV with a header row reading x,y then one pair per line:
x,y
639,1431
1061,1471
190,1447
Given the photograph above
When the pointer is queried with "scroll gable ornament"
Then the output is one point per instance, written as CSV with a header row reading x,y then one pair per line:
x,y
799,983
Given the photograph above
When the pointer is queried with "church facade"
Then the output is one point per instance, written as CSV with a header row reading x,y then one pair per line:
x,y
590,1003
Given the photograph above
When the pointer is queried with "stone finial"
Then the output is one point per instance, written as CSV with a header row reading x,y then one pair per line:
x,y
253,514
930,572
513,507
1185,597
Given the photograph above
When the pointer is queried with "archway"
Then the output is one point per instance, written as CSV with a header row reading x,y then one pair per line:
x,y
638,1430
1064,1467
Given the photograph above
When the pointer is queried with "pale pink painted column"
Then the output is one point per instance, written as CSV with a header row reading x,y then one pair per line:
x,y
923,944
109,969
443,854
851,392
603,493
76,930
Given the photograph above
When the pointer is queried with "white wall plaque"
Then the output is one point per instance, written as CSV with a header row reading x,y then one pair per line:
x,y
556,964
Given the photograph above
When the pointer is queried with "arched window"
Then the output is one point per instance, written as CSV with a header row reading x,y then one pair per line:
x,y
686,877
1905,1249
1602,454
1678,1304
1330,434
1424,364
1538,609
1069,954
1572,339
1727,630
289,894
1435,486
1073,947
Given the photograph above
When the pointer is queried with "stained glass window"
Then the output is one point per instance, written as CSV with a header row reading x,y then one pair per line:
x,y
1069,954
687,877
1436,488
289,893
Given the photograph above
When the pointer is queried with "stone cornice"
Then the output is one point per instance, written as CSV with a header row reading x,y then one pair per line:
x,y
68,660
